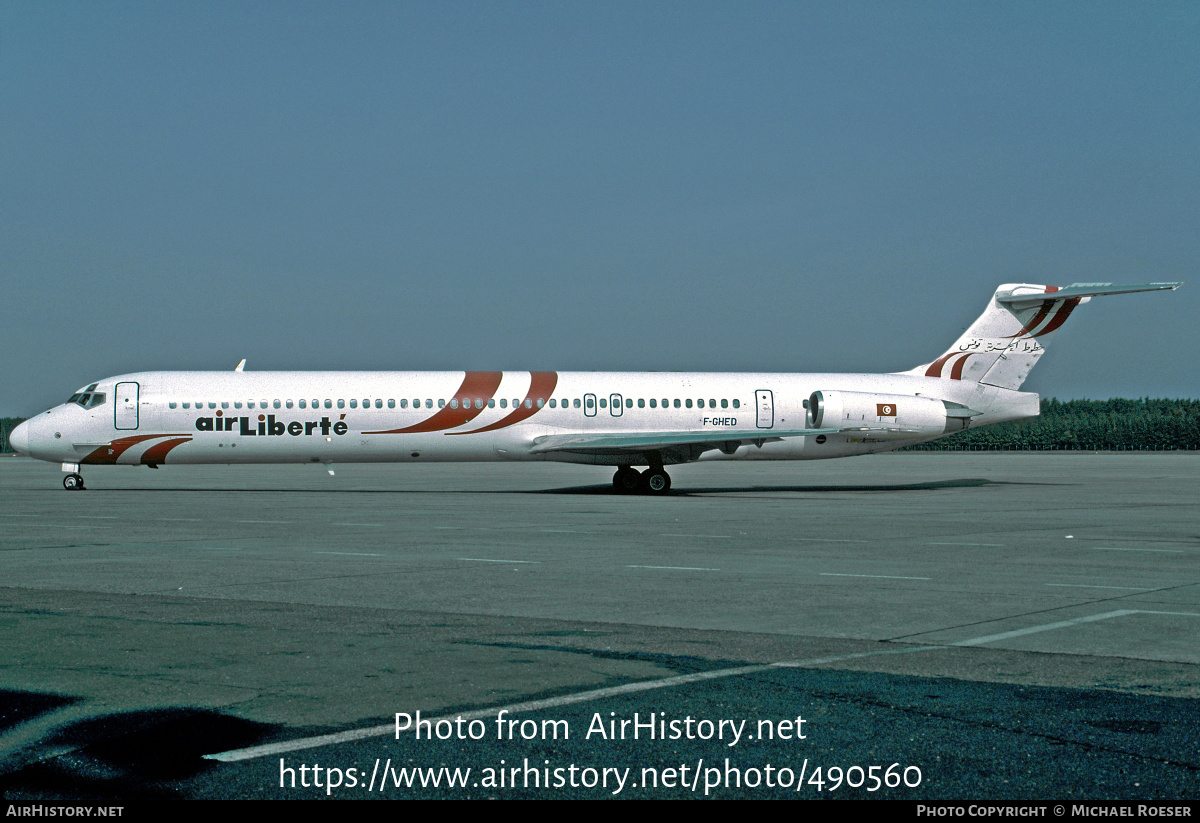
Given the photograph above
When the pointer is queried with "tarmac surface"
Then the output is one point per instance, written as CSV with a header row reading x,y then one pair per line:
x,y
909,626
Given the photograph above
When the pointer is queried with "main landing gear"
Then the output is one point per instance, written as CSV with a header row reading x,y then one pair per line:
x,y
653,480
73,482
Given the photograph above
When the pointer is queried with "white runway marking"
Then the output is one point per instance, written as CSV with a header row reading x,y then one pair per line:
x,y
1161,551
676,568
1044,628
352,554
1065,623
62,526
717,536
373,525
385,729
1175,614
883,576
826,540
1086,586
991,545
491,560
277,522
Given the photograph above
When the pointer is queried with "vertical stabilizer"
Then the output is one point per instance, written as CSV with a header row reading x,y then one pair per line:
x,y
1001,347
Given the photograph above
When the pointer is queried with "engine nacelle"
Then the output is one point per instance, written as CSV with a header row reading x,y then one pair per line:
x,y
887,415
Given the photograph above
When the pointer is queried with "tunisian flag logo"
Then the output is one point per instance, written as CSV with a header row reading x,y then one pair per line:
x,y
885,409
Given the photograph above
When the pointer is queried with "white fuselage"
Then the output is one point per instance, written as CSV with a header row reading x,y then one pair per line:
x,y
157,418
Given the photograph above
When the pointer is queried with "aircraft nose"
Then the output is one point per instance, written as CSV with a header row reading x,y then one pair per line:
x,y
18,439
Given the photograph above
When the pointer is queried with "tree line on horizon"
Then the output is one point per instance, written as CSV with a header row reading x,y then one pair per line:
x,y
1118,424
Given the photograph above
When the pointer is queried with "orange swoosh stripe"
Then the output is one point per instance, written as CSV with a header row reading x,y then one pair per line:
x,y
476,384
108,455
158,452
541,385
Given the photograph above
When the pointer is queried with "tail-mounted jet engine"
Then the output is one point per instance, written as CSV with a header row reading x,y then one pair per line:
x,y
903,415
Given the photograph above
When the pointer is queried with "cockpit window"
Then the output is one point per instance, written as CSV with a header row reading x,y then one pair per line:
x,y
88,399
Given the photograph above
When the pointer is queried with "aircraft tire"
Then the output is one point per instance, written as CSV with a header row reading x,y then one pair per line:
x,y
627,480
73,482
656,482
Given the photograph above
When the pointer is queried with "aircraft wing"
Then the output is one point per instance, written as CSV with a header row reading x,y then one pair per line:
x,y
683,442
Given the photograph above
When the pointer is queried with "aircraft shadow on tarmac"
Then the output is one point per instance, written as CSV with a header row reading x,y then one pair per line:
x,y
929,485
607,489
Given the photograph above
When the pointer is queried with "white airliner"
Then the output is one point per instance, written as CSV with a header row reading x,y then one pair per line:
x,y
620,419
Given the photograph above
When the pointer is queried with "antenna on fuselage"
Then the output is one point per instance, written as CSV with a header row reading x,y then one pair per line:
x,y
241,365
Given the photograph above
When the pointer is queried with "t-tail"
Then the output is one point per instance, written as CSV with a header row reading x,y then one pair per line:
x,y
1006,341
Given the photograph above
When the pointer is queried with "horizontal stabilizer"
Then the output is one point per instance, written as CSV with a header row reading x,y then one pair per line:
x,y
1018,295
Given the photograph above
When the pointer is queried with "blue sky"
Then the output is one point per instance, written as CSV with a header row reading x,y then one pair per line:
x,y
625,186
